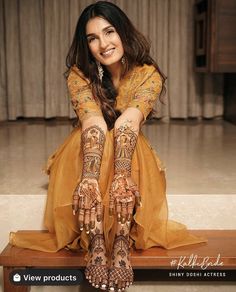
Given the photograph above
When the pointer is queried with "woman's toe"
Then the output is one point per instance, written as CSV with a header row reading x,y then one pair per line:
x,y
111,286
128,284
97,282
93,279
123,286
103,287
119,285
104,284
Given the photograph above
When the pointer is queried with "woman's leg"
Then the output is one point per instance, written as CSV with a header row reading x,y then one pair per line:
x,y
121,272
97,267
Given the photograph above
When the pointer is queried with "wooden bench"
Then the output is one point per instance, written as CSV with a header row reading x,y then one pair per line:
x,y
221,242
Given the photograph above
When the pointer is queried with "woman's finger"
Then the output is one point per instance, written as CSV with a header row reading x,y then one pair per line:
x,y
87,220
111,205
81,201
87,199
81,219
98,196
92,218
137,198
99,212
130,212
75,203
118,211
123,212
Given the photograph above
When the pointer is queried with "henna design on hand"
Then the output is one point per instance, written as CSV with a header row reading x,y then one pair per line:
x,y
125,142
87,199
93,139
124,192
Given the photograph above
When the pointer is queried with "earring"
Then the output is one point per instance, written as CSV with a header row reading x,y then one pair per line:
x,y
123,60
100,71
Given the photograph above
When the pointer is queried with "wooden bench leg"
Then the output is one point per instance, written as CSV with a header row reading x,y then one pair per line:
x,y
8,286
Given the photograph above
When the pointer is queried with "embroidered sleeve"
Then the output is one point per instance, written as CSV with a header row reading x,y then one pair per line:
x,y
81,96
147,91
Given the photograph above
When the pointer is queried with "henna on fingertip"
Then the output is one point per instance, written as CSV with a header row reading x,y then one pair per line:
x,y
81,219
92,218
99,212
111,205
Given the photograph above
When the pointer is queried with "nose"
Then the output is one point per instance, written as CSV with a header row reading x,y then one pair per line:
x,y
103,43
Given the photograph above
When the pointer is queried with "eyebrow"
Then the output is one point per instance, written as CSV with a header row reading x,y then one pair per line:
x,y
105,28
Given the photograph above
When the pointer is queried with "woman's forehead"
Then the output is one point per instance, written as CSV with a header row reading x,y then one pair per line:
x,y
97,24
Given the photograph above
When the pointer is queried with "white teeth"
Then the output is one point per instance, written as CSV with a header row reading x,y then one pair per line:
x,y
107,53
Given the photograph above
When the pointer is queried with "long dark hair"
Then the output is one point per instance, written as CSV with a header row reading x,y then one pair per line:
x,y
136,52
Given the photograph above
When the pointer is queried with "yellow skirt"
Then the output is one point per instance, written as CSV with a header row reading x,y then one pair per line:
x,y
150,227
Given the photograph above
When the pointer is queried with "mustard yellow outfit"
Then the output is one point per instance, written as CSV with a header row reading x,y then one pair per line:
x,y
151,227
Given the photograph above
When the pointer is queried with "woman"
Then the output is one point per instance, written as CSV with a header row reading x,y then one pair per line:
x,y
106,166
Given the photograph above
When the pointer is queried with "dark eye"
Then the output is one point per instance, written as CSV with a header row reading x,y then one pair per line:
x,y
110,31
91,39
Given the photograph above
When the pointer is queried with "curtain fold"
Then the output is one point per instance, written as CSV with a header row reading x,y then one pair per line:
x,y
35,38
13,85
56,45
31,55
3,82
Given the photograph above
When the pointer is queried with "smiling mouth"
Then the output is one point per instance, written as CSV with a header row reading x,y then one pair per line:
x,y
108,52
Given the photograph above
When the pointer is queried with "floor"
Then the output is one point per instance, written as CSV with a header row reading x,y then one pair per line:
x,y
200,160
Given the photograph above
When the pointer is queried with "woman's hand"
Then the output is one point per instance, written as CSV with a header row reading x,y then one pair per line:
x,y
87,201
124,194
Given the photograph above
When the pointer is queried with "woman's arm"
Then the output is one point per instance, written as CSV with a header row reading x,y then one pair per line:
x,y
125,137
124,191
87,197
93,140
93,121
134,116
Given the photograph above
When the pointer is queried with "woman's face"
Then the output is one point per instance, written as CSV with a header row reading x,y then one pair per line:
x,y
103,41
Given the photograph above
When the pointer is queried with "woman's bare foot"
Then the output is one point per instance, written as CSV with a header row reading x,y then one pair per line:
x,y
97,267
121,273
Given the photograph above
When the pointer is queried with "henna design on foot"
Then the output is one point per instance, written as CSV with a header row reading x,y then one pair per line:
x,y
97,268
121,273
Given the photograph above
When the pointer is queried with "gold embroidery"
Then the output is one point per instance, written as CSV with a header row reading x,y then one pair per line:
x,y
140,88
